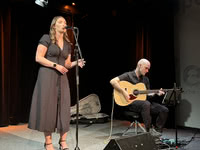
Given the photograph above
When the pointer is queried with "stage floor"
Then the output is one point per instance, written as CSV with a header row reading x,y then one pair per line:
x,y
90,137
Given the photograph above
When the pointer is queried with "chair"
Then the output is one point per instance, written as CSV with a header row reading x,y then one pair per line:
x,y
133,117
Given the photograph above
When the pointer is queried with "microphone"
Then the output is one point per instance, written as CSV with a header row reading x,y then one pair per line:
x,y
70,27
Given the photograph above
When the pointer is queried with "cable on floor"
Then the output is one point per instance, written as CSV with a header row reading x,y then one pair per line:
x,y
111,122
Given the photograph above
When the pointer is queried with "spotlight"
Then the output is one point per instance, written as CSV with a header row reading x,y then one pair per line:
x,y
41,2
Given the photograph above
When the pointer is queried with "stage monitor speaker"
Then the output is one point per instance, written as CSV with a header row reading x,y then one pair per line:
x,y
143,141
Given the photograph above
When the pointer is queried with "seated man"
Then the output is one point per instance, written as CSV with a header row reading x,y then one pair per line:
x,y
146,108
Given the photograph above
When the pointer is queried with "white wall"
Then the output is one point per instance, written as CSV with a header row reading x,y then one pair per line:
x,y
187,49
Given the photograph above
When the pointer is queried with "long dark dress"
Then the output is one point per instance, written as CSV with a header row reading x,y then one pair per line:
x,y
50,108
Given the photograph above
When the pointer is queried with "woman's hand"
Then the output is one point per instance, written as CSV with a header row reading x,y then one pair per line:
x,y
61,69
81,63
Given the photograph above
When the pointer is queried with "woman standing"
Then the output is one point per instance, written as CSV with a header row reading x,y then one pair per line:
x,y
50,108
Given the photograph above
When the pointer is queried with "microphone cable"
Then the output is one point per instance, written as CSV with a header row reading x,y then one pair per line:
x,y
111,121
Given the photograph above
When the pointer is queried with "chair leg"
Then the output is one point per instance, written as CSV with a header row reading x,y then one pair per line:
x,y
142,127
128,128
136,125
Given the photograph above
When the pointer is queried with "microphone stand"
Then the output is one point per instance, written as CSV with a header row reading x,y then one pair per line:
x,y
77,51
175,102
175,93
173,99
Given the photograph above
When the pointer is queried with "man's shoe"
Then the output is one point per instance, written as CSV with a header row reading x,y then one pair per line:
x,y
159,130
155,133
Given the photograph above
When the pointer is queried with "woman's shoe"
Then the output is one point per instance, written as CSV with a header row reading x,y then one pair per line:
x,y
45,145
61,148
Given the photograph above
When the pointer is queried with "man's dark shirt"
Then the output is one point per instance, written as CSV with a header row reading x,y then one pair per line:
x,y
132,78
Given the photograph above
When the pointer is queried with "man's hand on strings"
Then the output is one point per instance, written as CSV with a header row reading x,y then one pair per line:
x,y
126,95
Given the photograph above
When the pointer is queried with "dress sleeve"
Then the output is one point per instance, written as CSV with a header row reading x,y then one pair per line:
x,y
69,47
45,40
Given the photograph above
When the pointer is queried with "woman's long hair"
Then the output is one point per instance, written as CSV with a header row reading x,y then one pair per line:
x,y
52,31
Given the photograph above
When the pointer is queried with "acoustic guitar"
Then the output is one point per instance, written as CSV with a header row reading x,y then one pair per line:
x,y
136,92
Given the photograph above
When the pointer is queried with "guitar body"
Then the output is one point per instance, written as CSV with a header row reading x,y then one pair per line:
x,y
130,88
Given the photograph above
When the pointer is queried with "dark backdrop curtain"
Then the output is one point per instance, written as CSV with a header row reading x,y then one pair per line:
x,y
154,41
143,47
5,62
10,95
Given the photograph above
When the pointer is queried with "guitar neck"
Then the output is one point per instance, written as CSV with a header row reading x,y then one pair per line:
x,y
151,91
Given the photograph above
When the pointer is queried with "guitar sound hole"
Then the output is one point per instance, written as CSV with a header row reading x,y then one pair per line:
x,y
135,92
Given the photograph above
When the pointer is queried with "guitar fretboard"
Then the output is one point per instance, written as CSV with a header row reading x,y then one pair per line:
x,y
136,92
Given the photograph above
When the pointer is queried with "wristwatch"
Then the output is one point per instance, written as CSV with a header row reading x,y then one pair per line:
x,y
54,65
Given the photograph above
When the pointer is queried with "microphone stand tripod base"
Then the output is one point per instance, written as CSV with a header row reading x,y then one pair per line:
x,y
77,148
